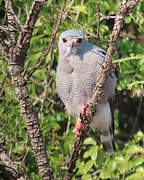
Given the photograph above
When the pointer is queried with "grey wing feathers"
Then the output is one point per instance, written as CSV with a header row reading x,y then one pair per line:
x,y
96,59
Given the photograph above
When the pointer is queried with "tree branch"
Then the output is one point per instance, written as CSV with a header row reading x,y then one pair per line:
x,y
123,9
68,9
43,58
98,20
11,23
16,58
44,94
23,42
12,13
78,24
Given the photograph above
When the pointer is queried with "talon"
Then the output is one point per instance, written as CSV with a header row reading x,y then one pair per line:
x,y
78,127
83,109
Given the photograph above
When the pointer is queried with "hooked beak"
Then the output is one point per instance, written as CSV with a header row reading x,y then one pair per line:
x,y
71,43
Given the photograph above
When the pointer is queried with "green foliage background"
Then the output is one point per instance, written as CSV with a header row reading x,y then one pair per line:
x,y
128,162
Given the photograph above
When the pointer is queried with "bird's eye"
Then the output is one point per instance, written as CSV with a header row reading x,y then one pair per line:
x,y
79,40
64,40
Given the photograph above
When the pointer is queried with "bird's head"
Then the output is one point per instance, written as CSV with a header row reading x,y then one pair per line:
x,y
71,42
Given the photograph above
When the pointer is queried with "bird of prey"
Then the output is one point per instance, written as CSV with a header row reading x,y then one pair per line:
x,y
79,67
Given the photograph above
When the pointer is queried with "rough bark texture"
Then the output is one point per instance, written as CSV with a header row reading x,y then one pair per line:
x,y
123,9
16,58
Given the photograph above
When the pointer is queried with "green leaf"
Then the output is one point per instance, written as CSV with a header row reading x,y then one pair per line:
x,y
80,166
127,19
80,8
19,148
139,136
87,154
135,176
105,174
86,177
89,140
134,149
136,161
88,166
93,151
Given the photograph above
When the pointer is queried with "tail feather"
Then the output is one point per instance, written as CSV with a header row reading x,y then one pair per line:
x,y
107,136
108,144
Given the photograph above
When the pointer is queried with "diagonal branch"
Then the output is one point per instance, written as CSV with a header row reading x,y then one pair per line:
x,y
11,23
12,13
43,58
44,94
26,33
123,9
78,24
68,9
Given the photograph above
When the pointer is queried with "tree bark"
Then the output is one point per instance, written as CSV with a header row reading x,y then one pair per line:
x,y
16,58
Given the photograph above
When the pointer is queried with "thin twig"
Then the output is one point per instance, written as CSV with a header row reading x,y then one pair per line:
x,y
134,83
97,172
44,94
136,21
127,59
19,13
98,20
5,124
25,156
43,58
78,13
68,9
23,42
89,34
68,125
103,17
25,69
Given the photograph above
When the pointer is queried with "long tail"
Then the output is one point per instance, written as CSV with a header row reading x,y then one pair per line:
x,y
108,143
104,123
106,137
